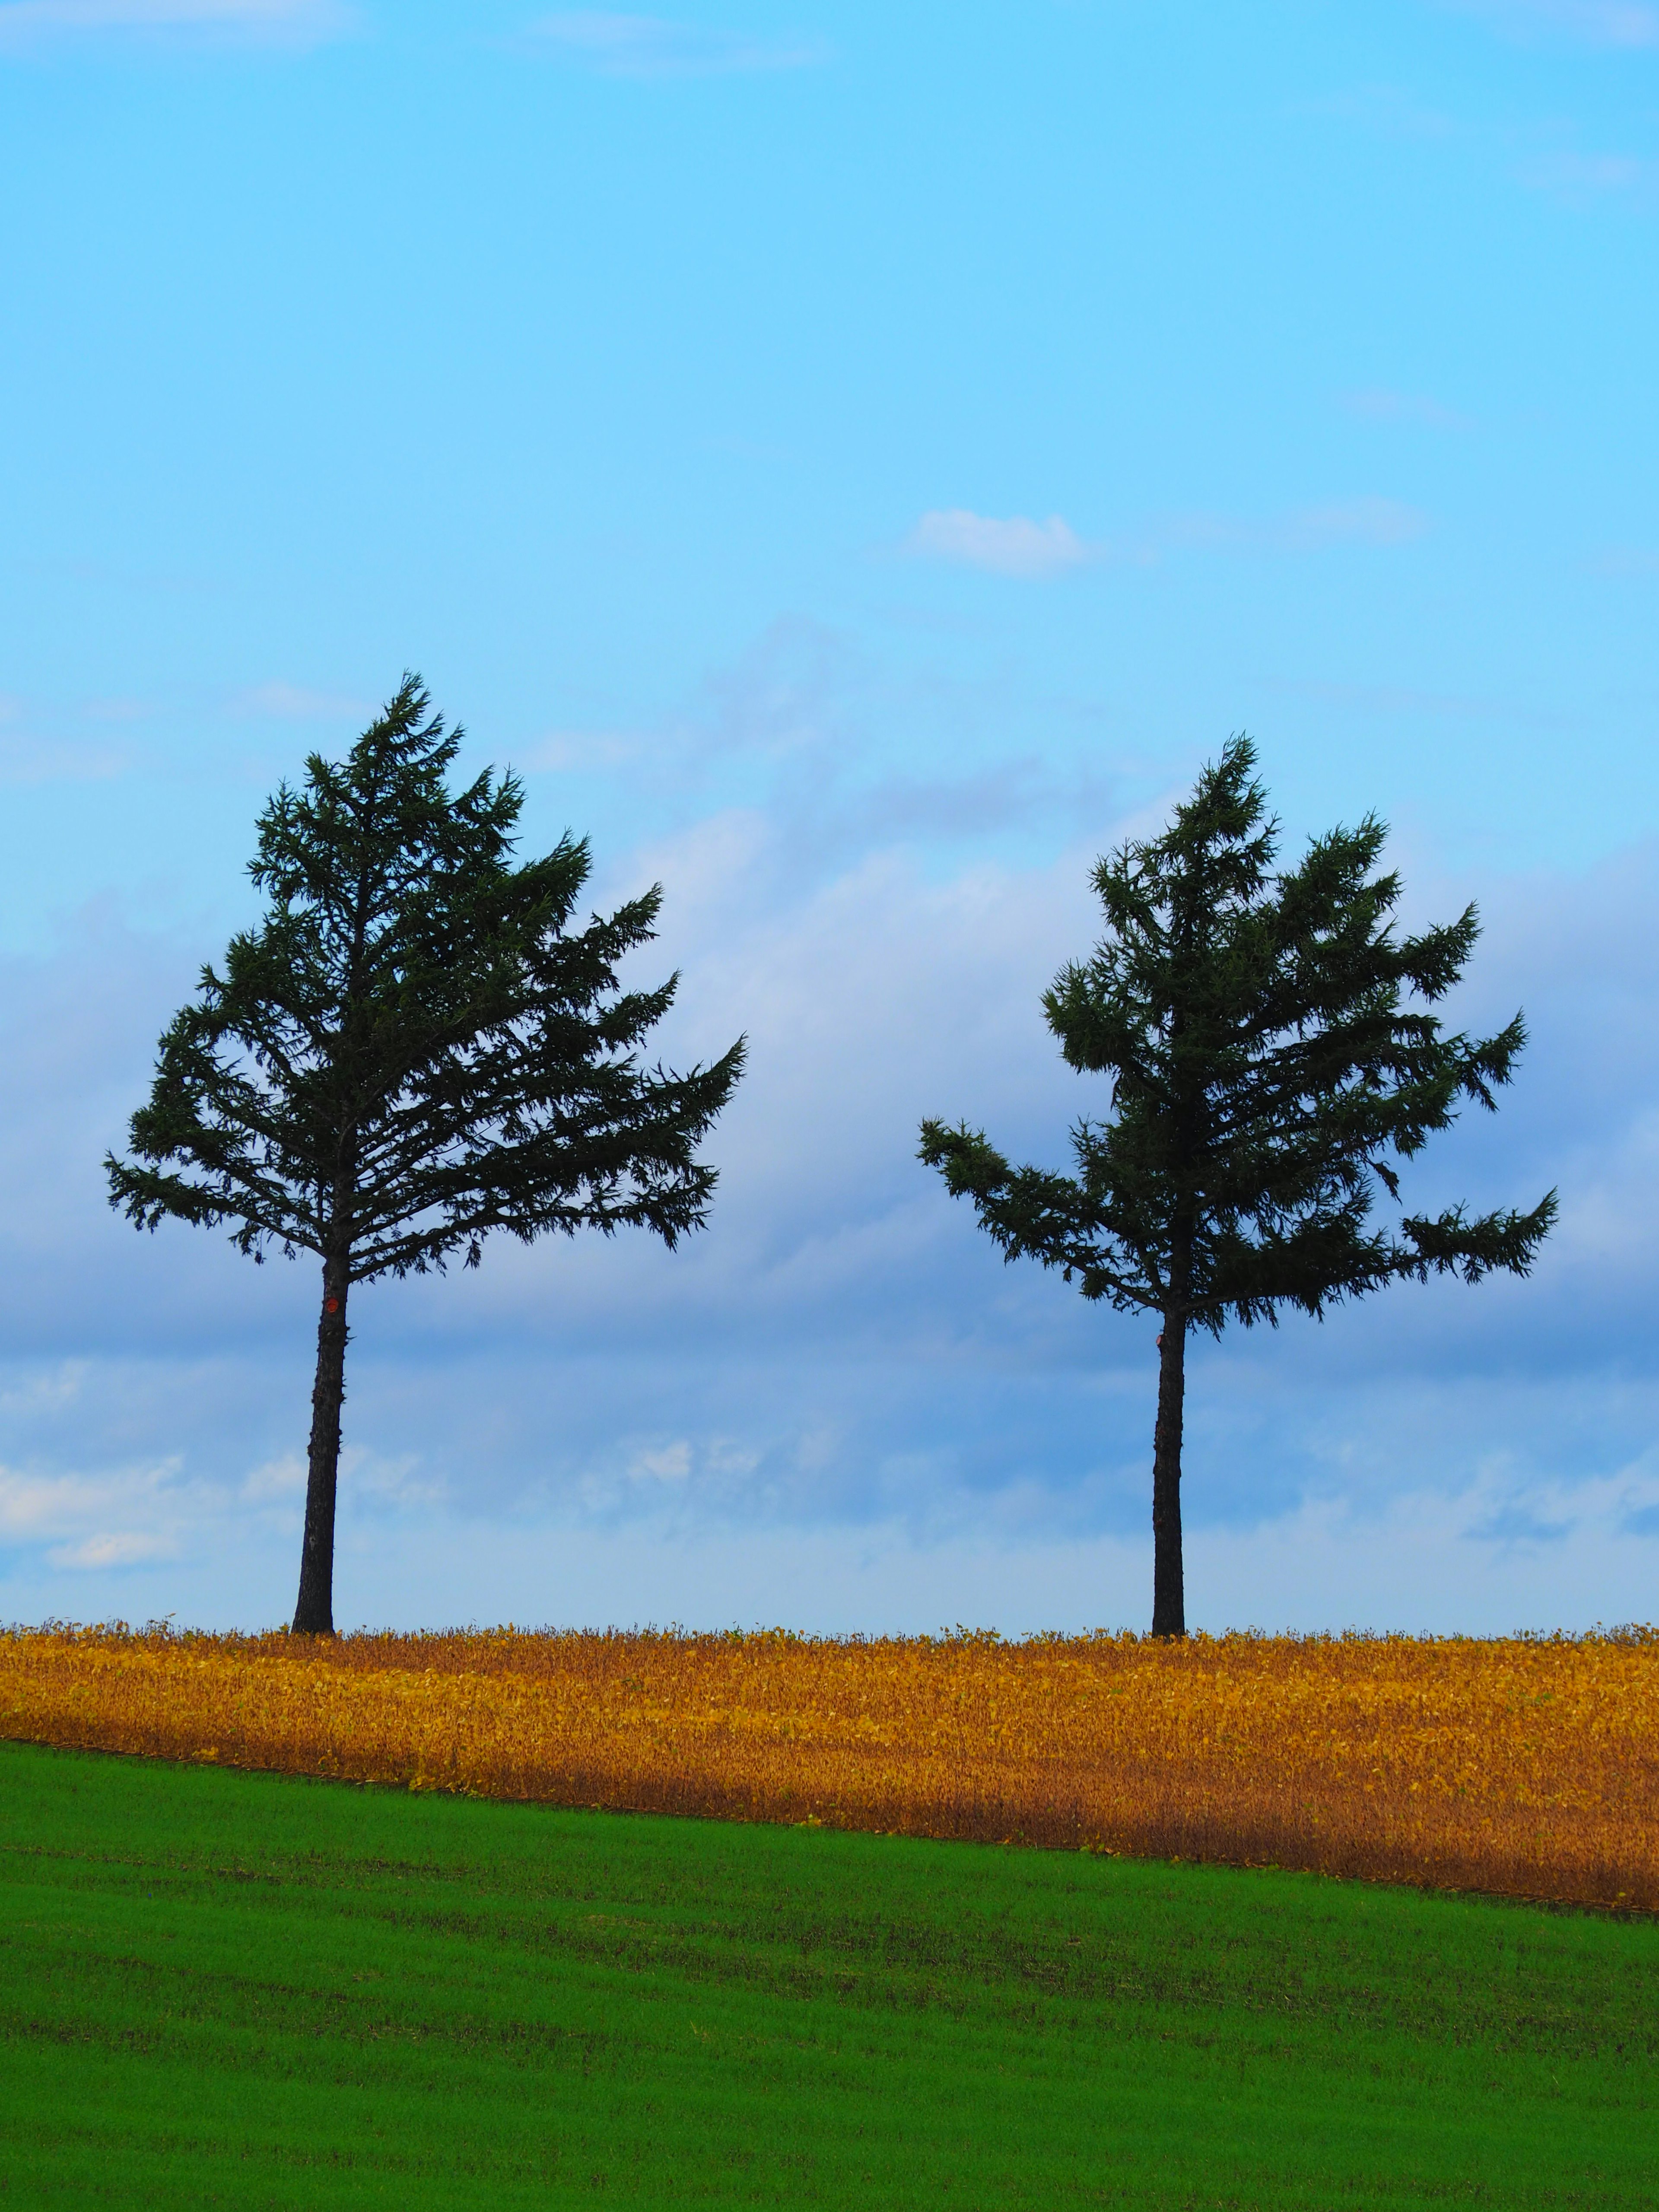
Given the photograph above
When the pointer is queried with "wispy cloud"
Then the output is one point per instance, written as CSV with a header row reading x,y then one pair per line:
x,y
1365,521
78,1510
1627,23
1392,699
1541,157
654,46
33,23
1581,178
1383,108
1017,546
298,702
283,1477
841,1361
1626,561
1519,1524
27,760
32,755
1013,547
126,1548
579,752
1377,404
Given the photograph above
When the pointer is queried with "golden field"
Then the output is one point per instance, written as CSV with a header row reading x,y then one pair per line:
x,y
1528,1766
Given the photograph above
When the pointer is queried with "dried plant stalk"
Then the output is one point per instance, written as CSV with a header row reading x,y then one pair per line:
x,y
1525,1766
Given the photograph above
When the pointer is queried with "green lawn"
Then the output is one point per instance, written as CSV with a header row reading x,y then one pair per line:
x,y
227,1989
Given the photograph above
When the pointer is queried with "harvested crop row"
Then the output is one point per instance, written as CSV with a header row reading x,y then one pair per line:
x,y
1521,1765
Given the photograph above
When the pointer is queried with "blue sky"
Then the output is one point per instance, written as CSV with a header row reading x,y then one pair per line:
x,y
856,463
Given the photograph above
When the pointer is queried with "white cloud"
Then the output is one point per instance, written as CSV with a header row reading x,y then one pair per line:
x,y
126,1548
1385,109
25,23
669,1463
32,1505
839,1384
651,46
577,752
78,1510
1620,23
283,1477
1366,521
1460,1562
296,703
1352,522
1581,177
394,1481
25,760
1013,547
1377,405
1626,561
1397,699
1020,547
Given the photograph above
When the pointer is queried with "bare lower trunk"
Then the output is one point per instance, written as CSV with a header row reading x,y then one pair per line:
x,y
314,1613
1169,1589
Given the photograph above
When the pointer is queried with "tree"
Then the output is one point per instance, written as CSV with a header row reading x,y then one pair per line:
x,y
411,1049
1266,1073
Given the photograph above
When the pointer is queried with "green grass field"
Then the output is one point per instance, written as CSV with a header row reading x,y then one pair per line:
x,y
229,1988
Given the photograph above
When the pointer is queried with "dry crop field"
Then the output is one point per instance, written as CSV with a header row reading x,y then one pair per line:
x,y
1525,1766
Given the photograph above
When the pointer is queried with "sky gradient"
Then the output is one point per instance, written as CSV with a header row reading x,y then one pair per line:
x,y
855,464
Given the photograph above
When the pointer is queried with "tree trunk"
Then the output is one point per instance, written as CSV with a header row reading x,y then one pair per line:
x,y
314,1613
1169,1589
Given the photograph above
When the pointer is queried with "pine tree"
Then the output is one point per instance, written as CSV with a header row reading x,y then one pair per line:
x,y
413,1048
1268,1071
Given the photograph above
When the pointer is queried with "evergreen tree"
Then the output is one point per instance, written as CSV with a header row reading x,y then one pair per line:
x,y
1266,1072
411,1049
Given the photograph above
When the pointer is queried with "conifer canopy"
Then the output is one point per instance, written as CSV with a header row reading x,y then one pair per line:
x,y
415,1047
1270,1060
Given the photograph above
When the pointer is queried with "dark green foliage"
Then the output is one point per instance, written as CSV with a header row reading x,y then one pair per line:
x,y
1271,1060
412,1049
248,1992
1263,1068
